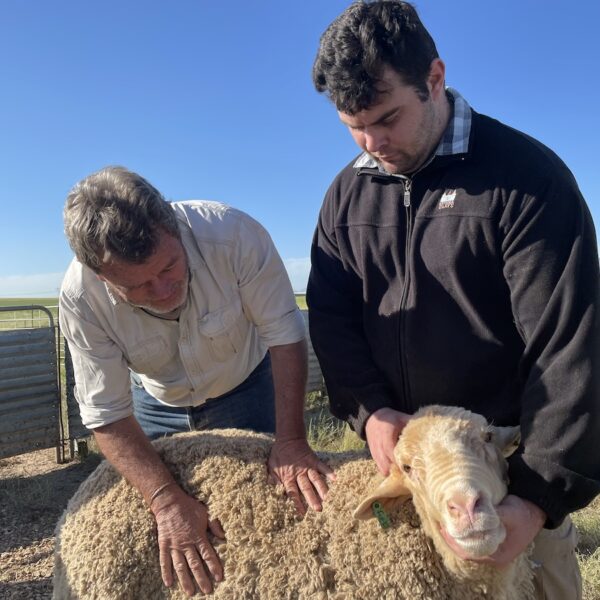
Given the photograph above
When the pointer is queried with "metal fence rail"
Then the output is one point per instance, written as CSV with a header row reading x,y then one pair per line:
x,y
76,428
314,382
30,394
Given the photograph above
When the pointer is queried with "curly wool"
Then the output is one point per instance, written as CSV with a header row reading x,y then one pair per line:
x,y
107,547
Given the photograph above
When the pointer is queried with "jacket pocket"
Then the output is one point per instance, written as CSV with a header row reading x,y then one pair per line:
x,y
222,331
149,355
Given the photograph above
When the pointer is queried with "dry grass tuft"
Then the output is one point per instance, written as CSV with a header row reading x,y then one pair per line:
x,y
587,522
325,432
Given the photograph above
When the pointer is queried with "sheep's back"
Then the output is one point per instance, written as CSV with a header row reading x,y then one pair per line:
x,y
107,546
102,542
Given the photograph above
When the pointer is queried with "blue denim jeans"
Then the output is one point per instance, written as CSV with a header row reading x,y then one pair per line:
x,y
251,405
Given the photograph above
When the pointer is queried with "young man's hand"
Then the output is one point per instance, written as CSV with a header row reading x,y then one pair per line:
x,y
382,430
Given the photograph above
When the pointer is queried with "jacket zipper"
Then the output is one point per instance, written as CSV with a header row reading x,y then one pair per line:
x,y
401,326
407,186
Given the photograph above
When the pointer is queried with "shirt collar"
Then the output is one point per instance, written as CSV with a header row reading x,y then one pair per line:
x,y
456,136
114,299
455,139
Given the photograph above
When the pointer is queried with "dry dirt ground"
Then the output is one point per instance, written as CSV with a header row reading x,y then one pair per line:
x,y
34,491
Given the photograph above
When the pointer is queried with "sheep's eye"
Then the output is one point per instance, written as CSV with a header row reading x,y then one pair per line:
x,y
487,436
406,468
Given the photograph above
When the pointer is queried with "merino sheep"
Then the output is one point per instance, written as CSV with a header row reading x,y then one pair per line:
x,y
107,549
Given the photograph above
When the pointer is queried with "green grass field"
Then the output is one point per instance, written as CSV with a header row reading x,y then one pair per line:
x,y
28,301
17,319
26,318
301,301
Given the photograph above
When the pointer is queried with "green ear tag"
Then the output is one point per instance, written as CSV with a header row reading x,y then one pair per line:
x,y
381,515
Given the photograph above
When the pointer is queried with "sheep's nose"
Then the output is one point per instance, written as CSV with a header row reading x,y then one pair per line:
x,y
464,505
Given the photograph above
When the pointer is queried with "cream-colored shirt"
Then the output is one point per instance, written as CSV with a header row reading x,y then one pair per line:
x,y
240,303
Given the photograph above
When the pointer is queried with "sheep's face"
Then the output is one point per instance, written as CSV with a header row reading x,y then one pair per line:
x,y
453,465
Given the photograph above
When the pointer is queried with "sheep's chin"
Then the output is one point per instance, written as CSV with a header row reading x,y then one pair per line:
x,y
477,544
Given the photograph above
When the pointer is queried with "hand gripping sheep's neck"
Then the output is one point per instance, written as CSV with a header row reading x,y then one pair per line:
x,y
452,464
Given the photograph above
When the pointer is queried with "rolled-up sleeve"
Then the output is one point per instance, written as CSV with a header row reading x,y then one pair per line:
x,y
265,287
102,380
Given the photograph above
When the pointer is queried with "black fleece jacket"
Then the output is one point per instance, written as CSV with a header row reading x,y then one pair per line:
x,y
476,284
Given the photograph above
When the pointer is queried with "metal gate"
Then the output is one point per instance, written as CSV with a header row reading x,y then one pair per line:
x,y
314,382
30,397
77,429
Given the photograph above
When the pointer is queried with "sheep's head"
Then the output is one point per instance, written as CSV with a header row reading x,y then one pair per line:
x,y
452,463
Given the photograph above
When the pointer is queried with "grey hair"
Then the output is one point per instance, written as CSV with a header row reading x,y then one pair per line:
x,y
116,212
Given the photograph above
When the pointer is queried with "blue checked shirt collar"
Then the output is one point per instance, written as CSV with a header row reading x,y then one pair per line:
x,y
454,141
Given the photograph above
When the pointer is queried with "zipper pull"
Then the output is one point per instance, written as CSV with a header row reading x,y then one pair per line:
x,y
407,185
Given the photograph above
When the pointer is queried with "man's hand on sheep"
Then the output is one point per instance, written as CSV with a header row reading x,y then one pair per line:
x,y
303,475
382,430
182,523
522,520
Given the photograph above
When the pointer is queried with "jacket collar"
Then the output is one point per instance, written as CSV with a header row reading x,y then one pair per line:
x,y
455,139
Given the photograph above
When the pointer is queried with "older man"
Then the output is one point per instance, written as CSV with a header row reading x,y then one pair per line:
x,y
191,301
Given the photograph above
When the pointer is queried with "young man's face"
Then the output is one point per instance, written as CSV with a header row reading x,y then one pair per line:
x,y
401,130
160,284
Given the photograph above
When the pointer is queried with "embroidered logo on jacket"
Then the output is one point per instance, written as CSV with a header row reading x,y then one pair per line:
x,y
447,199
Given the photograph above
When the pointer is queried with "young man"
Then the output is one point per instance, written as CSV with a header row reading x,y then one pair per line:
x,y
455,262
192,302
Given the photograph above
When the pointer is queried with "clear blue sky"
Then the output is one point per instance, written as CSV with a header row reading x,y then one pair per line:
x,y
214,100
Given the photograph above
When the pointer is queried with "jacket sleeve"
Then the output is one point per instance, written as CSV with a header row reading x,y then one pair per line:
x,y
551,266
355,386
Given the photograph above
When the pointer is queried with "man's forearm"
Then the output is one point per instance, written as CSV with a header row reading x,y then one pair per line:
x,y
127,448
292,461
289,366
181,520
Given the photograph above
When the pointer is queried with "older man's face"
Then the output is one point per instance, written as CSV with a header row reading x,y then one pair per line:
x,y
160,284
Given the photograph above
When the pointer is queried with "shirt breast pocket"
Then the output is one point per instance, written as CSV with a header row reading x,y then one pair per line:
x,y
222,332
149,355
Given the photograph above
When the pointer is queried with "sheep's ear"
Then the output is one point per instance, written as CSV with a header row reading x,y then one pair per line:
x,y
388,493
507,439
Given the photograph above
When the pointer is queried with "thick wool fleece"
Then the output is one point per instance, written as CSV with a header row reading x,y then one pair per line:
x,y
107,546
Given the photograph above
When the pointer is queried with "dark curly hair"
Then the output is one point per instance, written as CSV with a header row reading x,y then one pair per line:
x,y
361,42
